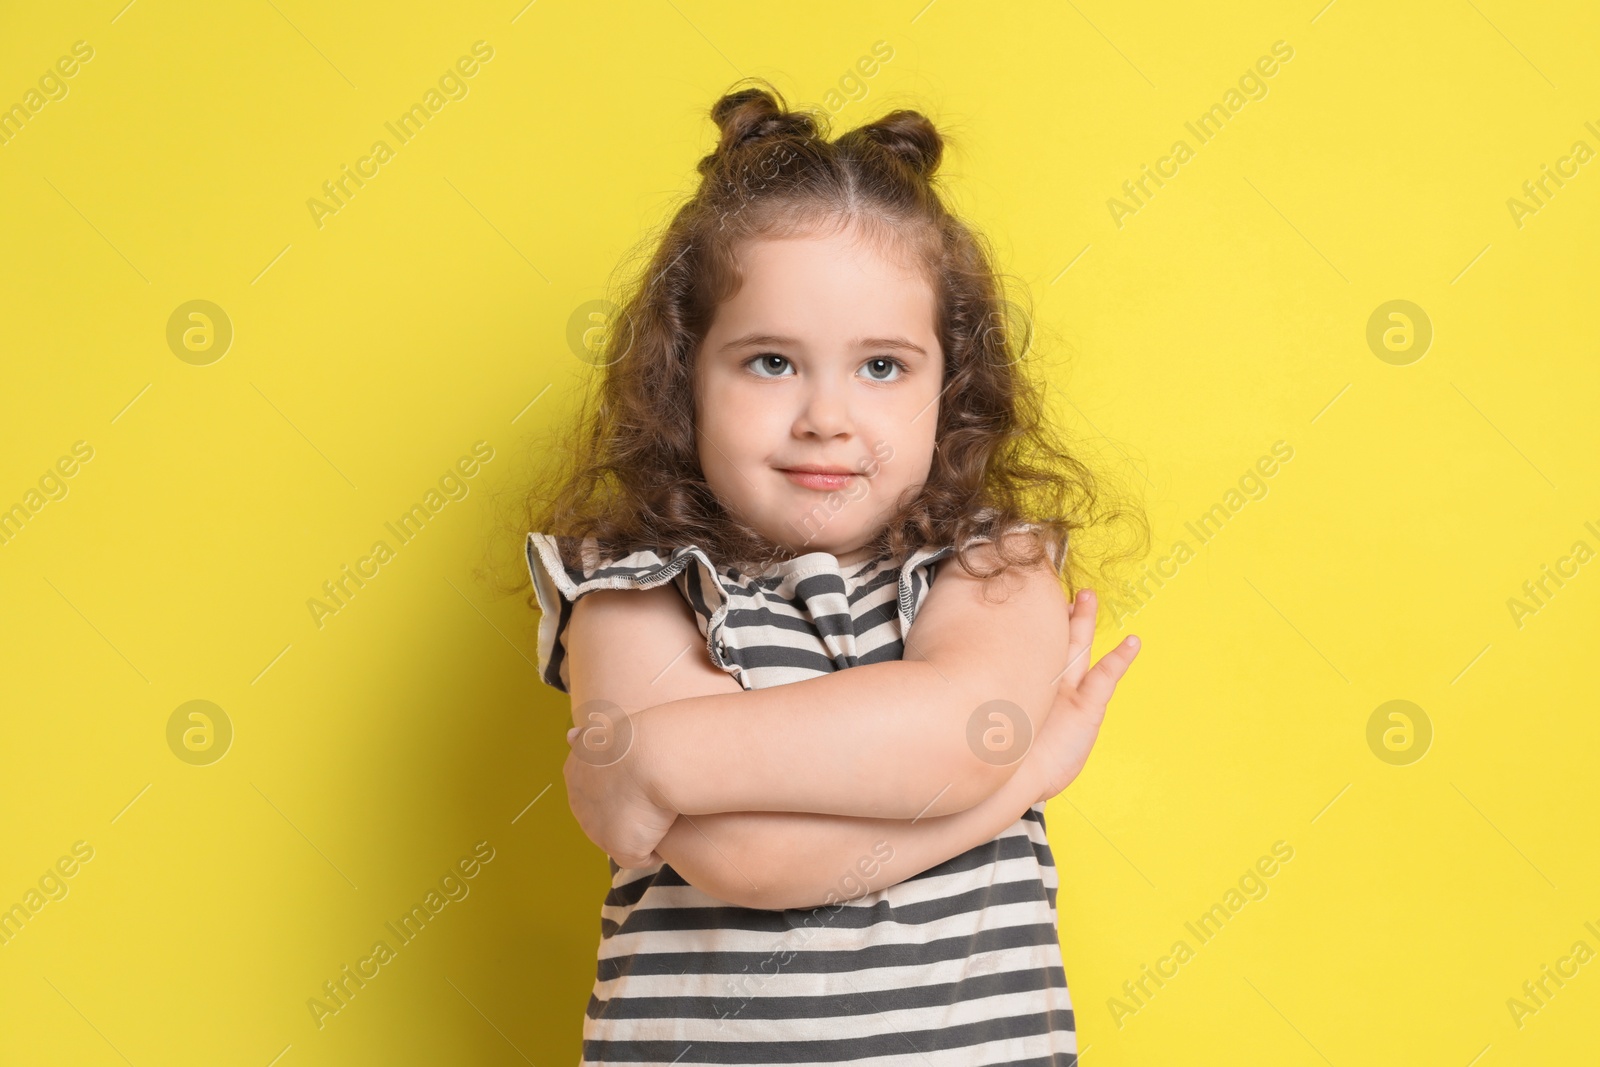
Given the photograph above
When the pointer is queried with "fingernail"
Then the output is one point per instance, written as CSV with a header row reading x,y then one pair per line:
x,y
572,733
1133,642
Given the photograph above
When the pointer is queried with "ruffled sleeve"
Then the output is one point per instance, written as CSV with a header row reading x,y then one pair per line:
x,y
916,577
558,585
797,620
918,571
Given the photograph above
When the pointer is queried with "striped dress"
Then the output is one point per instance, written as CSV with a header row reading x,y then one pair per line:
x,y
958,966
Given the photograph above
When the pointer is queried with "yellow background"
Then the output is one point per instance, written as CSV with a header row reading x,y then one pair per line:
x,y
432,312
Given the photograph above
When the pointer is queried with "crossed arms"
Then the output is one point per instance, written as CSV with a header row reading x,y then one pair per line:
x,y
794,795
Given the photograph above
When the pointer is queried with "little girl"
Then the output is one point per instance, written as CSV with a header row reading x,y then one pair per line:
x,y
817,757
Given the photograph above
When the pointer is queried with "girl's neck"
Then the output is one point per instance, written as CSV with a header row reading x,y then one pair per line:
x,y
847,562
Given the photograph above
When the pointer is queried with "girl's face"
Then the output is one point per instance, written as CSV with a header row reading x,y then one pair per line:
x,y
826,358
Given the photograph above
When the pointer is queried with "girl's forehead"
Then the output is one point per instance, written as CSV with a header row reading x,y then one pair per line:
x,y
846,268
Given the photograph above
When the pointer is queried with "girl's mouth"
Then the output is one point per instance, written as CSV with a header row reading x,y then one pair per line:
x,y
819,480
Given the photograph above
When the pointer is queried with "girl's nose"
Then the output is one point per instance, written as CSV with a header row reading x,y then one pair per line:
x,y
826,413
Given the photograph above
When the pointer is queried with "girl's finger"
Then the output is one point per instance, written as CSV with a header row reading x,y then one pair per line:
x,y
1101,681
1080,638
574,732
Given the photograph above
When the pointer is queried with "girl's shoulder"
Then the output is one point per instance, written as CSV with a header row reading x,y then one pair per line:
x,y
753,622
982,547
565,569
572,567
736,609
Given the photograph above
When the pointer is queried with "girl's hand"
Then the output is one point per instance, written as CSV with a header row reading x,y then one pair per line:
x,y
1062,747
611,804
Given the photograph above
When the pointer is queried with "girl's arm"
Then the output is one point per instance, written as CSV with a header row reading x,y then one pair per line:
x,y
775,860
779,860
645,645
925,736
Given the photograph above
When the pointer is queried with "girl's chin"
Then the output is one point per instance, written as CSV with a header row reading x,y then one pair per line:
x,y
837,543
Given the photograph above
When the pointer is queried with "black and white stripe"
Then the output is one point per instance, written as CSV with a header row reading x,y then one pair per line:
x,y
959,965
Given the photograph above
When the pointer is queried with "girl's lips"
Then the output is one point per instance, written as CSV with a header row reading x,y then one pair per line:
x,y
827,482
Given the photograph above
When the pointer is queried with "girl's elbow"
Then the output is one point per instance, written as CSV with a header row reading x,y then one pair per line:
x,y
971,782
742,893
732,880
714,880
764,888
769,889
788,898
977,752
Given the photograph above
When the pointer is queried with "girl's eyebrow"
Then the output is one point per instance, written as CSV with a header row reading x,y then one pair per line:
x,y
899,343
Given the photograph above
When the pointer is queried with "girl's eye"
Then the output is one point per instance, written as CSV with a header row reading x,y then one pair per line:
x,y
762,362
771,365
888,366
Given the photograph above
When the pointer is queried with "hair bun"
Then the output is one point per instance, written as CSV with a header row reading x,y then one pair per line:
x,y
753,115
910,137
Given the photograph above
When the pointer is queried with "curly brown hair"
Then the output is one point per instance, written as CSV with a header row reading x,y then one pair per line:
x,y
626,472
